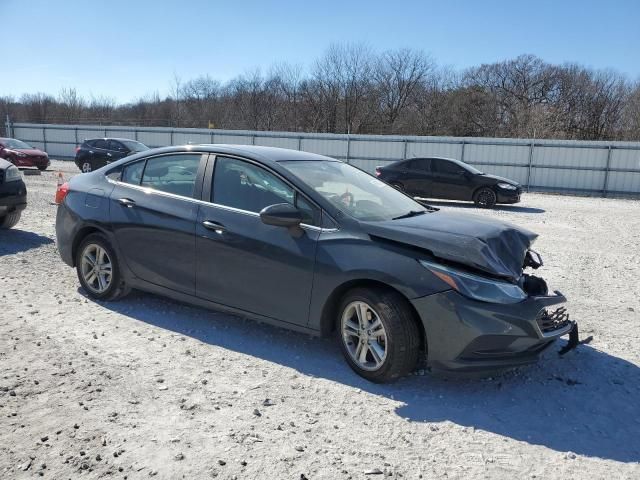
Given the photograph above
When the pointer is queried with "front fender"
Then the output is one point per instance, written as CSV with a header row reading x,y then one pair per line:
x,y
345,259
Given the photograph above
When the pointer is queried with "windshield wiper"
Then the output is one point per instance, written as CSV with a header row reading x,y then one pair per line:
x,y
411,213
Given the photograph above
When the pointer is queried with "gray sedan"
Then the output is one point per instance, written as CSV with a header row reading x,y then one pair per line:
x,y
313,244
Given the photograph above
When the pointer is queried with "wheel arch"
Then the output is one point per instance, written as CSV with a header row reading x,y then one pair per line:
x,y
83,233
480,187
331,305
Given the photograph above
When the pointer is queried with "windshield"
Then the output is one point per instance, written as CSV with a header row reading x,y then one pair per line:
x,y
134,146
353,191
13,143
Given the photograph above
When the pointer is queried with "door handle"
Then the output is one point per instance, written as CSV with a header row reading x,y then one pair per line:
x,y
108,154
215,226
127,202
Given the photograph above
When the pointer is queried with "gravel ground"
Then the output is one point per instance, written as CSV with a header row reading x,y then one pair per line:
x,y
149,387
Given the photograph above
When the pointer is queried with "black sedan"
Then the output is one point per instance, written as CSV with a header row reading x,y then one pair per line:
x,y
13,194
449,179
98,152
316,245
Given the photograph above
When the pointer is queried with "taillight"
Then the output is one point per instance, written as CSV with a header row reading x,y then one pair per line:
x,y
61,192
77,149
378,172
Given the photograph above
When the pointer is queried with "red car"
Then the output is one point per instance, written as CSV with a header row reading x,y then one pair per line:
x,y
22,154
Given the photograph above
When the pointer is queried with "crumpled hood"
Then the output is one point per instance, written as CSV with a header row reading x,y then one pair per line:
x,y
489,245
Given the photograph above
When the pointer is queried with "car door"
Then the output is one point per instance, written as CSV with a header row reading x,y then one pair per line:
x,y
450,180
115,151
153,214
98,152
242,262
418,177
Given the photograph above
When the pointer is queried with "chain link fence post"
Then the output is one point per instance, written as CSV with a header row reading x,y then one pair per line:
x,y
605,184
348,147
7,127
533,145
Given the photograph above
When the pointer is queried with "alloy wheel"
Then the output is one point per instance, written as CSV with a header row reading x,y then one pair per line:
x,y
486,198
364,335
96,268
86,167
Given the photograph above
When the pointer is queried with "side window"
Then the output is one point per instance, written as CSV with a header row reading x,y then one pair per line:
x,y
115,145
100,144
132,173
446,167
172,173
246,186
423,164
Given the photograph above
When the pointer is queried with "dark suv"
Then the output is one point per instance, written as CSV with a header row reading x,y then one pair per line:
x,y
449,179
98,152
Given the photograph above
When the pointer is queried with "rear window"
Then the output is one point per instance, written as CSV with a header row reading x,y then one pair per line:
x,y
132,173
172,173
420,164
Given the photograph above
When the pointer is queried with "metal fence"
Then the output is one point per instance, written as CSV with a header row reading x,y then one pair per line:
x,y
583,167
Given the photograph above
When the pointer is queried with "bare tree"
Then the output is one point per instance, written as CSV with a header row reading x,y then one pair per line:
x,y
352,89
398,75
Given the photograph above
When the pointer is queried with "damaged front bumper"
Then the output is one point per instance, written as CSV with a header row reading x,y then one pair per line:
x,y
466,335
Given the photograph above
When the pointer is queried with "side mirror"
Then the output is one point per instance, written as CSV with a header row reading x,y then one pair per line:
x,y
281,215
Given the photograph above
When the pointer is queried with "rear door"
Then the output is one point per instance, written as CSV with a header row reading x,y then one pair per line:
x,y
98,152
450,180
242,262
418,177
153,213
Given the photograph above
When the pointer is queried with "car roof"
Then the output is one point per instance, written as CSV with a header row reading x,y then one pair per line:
x,y
110,138
255,152
274,154
431,158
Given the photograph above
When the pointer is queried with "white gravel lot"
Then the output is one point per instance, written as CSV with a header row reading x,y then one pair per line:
x,y
149,387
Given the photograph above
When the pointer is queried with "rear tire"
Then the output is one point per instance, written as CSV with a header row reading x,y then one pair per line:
x,y
386,345
42,169
98,269
86,166
10,220
485,198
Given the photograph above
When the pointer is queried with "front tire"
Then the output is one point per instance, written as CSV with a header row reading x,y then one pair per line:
x,y
485,198
378,334
98,269
10,220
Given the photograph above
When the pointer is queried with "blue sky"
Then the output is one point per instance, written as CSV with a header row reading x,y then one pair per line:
x,y
125,49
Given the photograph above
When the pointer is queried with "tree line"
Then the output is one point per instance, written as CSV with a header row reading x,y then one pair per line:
x,y
352,89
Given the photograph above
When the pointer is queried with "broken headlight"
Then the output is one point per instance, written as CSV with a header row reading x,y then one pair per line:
x,y
476,287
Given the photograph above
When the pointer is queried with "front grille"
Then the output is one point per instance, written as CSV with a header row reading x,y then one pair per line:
x,y
550,321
